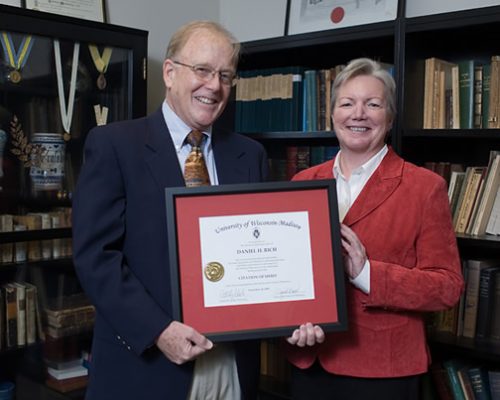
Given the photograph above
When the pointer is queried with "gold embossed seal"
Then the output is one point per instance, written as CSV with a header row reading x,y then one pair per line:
x,y
214,271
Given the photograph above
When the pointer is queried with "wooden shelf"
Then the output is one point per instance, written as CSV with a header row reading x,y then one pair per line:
x,y
466,347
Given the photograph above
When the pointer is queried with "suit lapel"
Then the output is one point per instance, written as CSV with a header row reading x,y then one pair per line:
x,y
227,156
379,187
160,153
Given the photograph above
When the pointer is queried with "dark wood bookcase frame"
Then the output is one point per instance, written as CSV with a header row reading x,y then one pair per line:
x,y
404,42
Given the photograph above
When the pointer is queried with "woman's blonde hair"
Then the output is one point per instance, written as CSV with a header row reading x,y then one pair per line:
x,y
368,67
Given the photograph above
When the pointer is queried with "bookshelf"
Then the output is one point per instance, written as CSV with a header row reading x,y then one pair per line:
x,y
405,43
42,255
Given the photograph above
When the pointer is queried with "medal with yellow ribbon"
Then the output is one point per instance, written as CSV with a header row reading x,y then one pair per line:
x,y
101,63
16,59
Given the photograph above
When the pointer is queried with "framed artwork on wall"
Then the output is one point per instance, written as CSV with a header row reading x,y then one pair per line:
x,y
317,15
93,10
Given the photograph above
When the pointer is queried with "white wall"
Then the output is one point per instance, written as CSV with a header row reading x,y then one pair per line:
x,y
161,18
255,19
247,19
415,8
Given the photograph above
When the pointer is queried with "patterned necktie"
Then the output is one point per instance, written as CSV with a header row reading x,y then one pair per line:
x,y
195,169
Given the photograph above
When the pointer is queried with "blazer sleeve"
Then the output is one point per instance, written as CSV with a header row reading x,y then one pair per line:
x,y
98,234
435,282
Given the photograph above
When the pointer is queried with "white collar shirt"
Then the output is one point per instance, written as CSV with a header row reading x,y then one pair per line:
x,y
215,375
348,191
179,131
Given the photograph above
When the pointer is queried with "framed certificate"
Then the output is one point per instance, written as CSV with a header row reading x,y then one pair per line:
x,y
89,9
309,16
256,260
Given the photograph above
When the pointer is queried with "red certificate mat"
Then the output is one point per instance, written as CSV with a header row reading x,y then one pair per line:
x,y
187,208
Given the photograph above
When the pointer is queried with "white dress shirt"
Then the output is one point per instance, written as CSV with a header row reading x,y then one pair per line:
x,y
215,374
179,131
347,193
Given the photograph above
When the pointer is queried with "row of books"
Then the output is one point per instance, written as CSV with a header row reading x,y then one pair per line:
x,y
35,250
23,320
455,379
66,362
298,158
69,315
20,323
461,94
66,355
477,315
475,198
474,195
284,99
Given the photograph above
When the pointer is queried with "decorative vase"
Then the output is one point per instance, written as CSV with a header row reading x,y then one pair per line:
x,y
47,172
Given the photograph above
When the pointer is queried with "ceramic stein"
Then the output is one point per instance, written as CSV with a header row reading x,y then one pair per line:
x,y
48,171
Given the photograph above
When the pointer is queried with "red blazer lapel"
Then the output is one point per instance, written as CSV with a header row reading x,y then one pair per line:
x,y
379,187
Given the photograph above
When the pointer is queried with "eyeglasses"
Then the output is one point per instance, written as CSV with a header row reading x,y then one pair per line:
x,y
207,74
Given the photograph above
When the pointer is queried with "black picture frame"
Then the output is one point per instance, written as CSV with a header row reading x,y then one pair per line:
x,y
95,13
186,206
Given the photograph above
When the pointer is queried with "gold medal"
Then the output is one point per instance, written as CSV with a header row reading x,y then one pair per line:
x,y
66,136
101,81
214,271
16,59
15,76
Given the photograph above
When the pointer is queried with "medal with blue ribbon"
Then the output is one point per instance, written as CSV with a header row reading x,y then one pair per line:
x,y
16,59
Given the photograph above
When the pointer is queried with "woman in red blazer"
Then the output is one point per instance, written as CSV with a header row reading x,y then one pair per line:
x,y
400,254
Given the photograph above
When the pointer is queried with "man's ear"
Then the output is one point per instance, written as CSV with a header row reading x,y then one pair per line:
x,y
168,72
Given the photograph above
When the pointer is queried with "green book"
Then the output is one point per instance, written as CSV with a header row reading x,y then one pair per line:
x,y
452,367
296,109
466,85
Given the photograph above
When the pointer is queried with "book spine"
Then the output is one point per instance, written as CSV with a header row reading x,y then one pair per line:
x,y
10,316
478,383
30,314
478,96
456,388
21,314
466,82
484,303
6,249
495,318
486,95
494,106
471,298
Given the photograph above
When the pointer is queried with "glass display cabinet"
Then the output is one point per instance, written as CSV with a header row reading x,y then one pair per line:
x,y
59,77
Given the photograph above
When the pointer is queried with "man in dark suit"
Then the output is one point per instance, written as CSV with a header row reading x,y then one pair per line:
x,y
120,234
